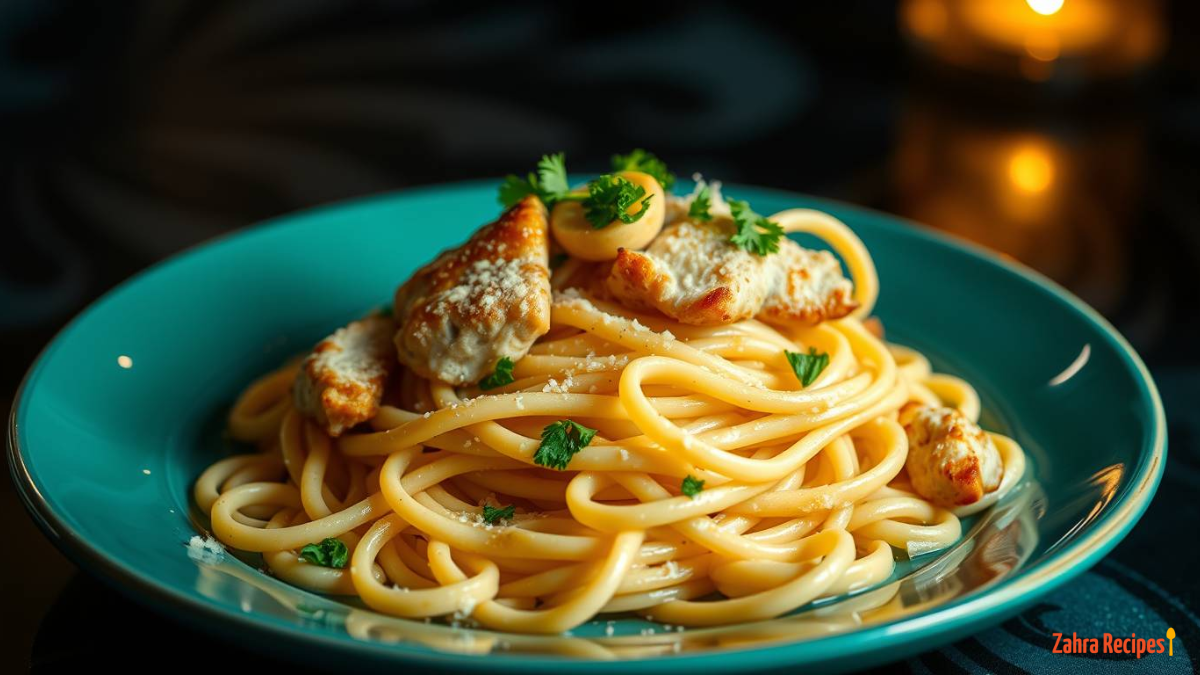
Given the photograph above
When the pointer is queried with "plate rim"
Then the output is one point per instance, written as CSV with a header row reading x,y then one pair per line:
x,y
938,625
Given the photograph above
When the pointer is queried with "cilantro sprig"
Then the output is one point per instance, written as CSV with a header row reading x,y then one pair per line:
x,y
691,486
502,375
644,161
329,553
560,442
700,209
807,366
491,514
607,199
755,233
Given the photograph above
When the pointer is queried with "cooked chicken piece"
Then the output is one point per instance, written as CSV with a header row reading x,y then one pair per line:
x,y
341,382
487,299
676,209
812,287
951,461
692,273
874,326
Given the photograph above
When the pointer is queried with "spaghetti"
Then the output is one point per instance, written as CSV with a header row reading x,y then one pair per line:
x,y
805,491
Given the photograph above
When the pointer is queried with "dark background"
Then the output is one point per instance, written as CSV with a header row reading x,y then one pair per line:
x,y
129,131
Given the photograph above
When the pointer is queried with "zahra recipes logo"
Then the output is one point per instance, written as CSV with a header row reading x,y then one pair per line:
x,y
1111,644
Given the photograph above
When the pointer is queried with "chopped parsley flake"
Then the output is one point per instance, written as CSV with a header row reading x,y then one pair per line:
x,y
701,207
502,375
755,233
807,366
491,514
329,553
560,442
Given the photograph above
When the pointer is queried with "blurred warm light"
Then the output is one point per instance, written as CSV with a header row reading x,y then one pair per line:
x,y
1045,7
926,18
1081,27
1031,169
1053,201
1038,40
1042,46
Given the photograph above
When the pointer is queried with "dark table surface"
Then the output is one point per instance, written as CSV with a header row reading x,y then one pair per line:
x,y
132,130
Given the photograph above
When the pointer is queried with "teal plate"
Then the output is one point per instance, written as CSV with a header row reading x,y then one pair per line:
x,y
124,408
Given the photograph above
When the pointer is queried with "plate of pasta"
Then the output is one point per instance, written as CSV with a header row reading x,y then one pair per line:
x,y
588,422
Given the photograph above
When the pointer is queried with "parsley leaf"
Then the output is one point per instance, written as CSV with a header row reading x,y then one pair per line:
x,y
609,198
514,188
491,514
501,376
700,208
552,175
691,486
557,260
646,162
560,441
549,183
755,233
807,366
329,553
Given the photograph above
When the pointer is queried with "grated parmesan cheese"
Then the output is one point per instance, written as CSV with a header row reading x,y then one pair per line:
x,y
205,549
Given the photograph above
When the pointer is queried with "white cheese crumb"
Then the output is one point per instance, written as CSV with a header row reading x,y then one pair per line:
x,y
205,549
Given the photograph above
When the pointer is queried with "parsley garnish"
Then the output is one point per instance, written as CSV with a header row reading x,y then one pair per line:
x,y
491,514
691,486
552,174
755,233
560,442
329,553
514,189
609,198
557,260
549,183
699,210
646,162
807,366
501,376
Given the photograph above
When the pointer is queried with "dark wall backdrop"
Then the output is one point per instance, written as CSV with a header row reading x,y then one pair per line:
x,y
131,130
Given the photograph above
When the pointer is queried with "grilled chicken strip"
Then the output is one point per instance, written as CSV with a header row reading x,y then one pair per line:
x,y
487,299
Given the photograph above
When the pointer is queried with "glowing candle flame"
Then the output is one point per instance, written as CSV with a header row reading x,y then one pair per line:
x,y
1045,7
